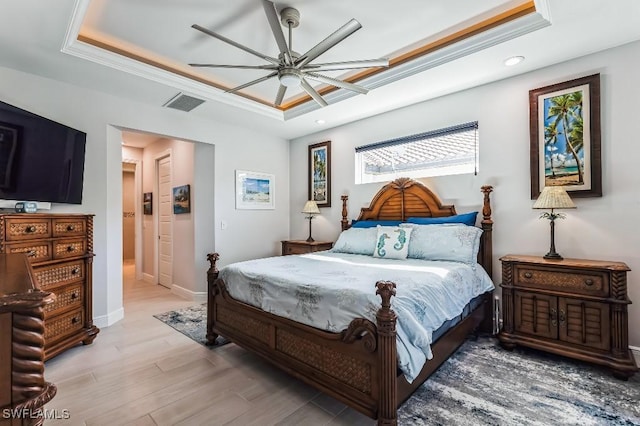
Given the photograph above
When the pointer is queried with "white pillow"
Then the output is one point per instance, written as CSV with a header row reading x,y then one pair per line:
x,y
356,241
452,242
392,242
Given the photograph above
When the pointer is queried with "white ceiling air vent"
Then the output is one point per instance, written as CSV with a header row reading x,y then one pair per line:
x,y
183,102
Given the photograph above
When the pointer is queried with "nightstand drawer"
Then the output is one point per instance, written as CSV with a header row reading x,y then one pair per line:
x,y
302,247
62,273
578,282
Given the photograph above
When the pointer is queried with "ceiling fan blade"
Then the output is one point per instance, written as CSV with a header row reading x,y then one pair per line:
x,y
280,96
336,37
348,65
274,61
276,29
248,67
336,82
251,83
312,92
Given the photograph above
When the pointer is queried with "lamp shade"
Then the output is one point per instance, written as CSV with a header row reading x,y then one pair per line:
x,y
311,207
554,197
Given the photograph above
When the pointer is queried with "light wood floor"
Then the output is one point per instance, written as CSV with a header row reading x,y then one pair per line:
x,y
143,372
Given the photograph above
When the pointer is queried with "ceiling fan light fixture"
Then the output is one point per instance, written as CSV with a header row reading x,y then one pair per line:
x,y
289,78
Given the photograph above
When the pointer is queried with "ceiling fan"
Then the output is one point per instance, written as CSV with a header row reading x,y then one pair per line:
x,y
291,68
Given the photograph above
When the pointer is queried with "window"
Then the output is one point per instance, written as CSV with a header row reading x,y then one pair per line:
x,y
449,151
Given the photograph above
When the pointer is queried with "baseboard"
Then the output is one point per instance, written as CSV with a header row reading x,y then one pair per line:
x,y
196,296
109,319
636,353
148,278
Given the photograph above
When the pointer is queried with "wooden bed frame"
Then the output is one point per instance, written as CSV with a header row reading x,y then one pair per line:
x,y
357,366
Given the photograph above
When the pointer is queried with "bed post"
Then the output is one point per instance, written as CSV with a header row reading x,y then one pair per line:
x,y
344,221
487,258
487,228
212,290
387,356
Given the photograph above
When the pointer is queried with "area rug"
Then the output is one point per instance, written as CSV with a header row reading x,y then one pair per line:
x,y
192,322
483,384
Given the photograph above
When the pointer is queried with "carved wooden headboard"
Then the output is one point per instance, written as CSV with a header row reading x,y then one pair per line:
x,y
404,198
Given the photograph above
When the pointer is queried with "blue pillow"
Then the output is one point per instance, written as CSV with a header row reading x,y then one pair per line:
x,y
465,218
374,223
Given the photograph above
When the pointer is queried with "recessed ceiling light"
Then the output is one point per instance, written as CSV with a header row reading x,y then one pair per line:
x,y
514,60
320,121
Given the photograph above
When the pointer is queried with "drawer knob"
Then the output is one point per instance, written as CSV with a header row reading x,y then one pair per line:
x,y
75,271
588,282
31,253
30,228
70,248
74,295
74,320
71,227
528,275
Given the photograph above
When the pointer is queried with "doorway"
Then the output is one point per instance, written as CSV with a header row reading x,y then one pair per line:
x,y
165,218
128,213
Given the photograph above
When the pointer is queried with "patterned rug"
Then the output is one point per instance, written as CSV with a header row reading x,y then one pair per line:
x,y
483,384
192,322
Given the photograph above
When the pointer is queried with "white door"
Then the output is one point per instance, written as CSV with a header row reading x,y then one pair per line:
x,y
165,237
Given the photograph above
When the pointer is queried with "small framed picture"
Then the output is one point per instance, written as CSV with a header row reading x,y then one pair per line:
x,y
147,203
254,190
182,199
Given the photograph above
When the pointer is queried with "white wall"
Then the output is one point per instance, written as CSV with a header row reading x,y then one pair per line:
x,y
601,228
249,233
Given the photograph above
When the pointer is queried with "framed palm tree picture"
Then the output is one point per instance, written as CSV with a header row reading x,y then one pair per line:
x,y
564,121
320,173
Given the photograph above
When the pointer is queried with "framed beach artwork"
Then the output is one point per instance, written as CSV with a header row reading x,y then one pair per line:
x,y
255,190
182,199
565,137
320,173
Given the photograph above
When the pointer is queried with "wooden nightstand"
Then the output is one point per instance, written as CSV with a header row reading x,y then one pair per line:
x,y
302,246
571,307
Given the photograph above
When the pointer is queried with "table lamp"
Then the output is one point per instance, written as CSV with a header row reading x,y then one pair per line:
x,y
553,197
310,209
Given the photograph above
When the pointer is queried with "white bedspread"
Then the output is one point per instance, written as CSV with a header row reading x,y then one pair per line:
x,y
328,290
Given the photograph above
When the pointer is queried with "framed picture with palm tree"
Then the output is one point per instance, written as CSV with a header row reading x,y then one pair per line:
x,y
320,173
564,121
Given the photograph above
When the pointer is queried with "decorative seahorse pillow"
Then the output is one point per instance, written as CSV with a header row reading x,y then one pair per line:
x,y
392,242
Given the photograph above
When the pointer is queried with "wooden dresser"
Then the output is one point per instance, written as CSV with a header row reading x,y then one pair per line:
x,y
302,246
571,307
60,249
23,389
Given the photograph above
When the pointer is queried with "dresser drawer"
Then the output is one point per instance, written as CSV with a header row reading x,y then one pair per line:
x,y
69,227
36,251
51,276
70,296
63,325
69,248
27,229
578,282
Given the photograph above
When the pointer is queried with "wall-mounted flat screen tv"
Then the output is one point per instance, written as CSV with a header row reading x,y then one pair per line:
x,y
40,159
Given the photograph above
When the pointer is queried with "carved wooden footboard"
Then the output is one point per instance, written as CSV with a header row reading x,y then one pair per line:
x,y
357,366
